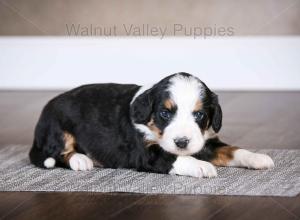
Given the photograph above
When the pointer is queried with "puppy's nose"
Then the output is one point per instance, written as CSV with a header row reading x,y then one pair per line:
x,y
181,142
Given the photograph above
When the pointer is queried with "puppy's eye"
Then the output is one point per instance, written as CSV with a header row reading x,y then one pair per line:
x,y
198,115
166,115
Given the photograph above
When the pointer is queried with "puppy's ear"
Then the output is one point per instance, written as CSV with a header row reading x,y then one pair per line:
x,y
217,114
141,108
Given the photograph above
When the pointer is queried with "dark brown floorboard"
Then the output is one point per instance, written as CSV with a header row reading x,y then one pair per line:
x,y
9,201
251,119
73,205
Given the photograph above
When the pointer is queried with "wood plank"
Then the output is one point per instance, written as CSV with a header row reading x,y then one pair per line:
x,y
292,205
73,205
173,207
9,201
253,208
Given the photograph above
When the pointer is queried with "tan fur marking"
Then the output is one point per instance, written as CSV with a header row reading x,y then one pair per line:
x,y
150,143
169,104
198,106
69,148
151,125
224,155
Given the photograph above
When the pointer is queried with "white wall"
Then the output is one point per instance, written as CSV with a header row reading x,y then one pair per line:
x,y
247,63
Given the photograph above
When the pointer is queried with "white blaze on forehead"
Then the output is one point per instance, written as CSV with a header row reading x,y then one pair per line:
x,y
185,92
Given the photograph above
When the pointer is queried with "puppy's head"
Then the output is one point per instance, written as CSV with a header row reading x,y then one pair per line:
x,y
179,113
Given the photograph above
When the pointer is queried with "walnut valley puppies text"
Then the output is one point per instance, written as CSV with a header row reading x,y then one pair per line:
x,y
148,30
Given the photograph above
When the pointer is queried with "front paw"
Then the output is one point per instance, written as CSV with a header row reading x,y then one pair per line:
x,y
245,158
189,166
205,169
259,161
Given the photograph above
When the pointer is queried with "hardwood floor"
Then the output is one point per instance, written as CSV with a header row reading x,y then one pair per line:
x,y
251,120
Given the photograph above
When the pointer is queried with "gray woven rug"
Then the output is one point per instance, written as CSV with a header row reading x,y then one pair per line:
x,y
17,174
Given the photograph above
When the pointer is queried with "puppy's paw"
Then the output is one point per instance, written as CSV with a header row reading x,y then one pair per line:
x,y
190,166
80,162
245,158
259,161
205,169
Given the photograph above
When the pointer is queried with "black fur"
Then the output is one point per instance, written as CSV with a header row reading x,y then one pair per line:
x,y
100,118
208,152
217,115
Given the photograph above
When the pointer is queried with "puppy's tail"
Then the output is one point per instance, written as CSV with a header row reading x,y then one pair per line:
x,y
38,157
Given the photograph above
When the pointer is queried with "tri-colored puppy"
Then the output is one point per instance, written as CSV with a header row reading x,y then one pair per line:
x,y
170,127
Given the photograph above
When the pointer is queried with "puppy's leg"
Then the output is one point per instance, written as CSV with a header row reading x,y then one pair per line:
x,y
190,166
160,161
237,157
74,160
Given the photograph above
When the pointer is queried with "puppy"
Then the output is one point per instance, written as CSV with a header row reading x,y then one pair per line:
x,y
170,127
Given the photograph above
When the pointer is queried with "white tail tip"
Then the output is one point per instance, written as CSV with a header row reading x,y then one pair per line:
x,y
49,162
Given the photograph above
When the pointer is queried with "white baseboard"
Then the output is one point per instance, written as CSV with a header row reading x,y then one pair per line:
x,y
237,63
